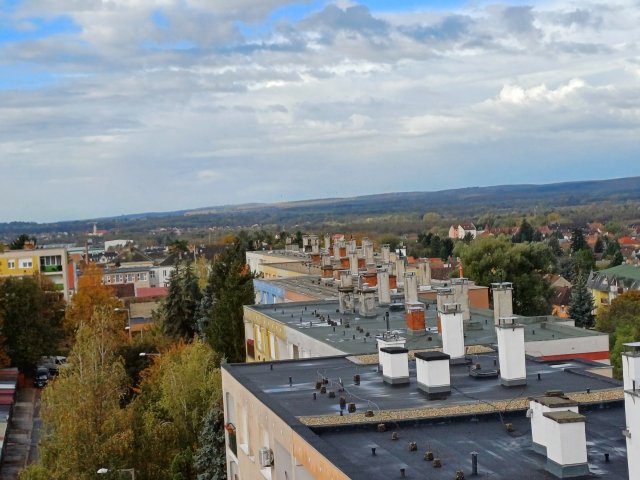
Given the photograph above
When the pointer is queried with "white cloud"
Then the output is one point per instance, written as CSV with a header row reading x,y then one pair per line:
x,y
197,109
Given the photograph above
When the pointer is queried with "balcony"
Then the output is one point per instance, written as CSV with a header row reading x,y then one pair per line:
x,y
50,268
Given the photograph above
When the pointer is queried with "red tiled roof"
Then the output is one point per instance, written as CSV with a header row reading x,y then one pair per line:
x,y
146,292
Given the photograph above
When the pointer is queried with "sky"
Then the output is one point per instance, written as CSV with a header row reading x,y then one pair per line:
x,y
111,107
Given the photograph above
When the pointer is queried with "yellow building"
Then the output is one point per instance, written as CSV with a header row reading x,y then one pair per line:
x,y
51,262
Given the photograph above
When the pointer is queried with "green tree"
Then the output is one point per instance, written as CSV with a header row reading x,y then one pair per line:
x,y
232,287
181,304
621,320
581,305
585,261
617,259
578,241
18,243
446,249
599,246
32,311
525,232
84,426
176,392
495,259
554,244
210,457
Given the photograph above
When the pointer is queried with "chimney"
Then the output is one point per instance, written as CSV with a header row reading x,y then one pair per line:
x,y
433,374
327,243
414,317
443,295
502,300
513,369
325,260
367,306
566,444
353,263
339,250
352,246
461,295
410,288
388,340
367,250
384,293
395,365
400,269
345,298
424,272
385,250
538,406
315,244
631,379
452,331
306,243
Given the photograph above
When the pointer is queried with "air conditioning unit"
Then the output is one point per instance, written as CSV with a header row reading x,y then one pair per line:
x,y
265,457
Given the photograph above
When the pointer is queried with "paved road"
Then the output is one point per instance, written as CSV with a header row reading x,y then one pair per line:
x,y
23,433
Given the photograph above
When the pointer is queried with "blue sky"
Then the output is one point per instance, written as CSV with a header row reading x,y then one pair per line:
x,y
138,107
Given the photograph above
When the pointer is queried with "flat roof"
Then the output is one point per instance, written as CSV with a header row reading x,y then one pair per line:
x,y
306,284
472,418
501,454
307,318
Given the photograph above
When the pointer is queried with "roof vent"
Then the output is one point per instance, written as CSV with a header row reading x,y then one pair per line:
x,y
265,457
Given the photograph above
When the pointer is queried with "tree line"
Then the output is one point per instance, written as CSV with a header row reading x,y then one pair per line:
x,y
151,403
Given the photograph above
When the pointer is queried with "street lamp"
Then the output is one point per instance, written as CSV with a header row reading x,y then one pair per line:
x,y
128,318
129,470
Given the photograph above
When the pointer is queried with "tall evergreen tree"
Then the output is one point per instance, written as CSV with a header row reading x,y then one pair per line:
x,y
581,305
578,241
209,459
525,232
232,286
181,305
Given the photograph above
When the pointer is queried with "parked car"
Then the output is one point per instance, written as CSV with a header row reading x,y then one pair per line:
x,y
41,377
53,363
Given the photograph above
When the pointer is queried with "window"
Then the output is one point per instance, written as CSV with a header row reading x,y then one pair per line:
x,y
152,274
25,263
143,276
129,277
119,277
11,264
108,278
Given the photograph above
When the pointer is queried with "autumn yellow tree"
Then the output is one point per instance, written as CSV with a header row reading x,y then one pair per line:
x,y
92,295
178,389
84,426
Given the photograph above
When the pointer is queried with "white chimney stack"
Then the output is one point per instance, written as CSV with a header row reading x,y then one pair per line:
x,y
424,272
384,292
461,295
367,251
452,331
567,444
345,299
385,250
502,300
538,406
353,263
434,377
367,307
513,369
410,288
395,365
443,295
631,379
327,243
389,340
400,269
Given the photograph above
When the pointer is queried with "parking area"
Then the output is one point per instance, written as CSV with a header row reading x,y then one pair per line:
x,y
23,432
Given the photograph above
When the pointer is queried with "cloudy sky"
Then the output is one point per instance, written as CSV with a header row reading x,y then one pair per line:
x,y
110,107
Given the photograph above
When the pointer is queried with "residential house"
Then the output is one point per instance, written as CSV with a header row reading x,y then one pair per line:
x,y
53,263
607,284
462,229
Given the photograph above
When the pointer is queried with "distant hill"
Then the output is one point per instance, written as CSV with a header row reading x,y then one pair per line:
x,y
463,202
